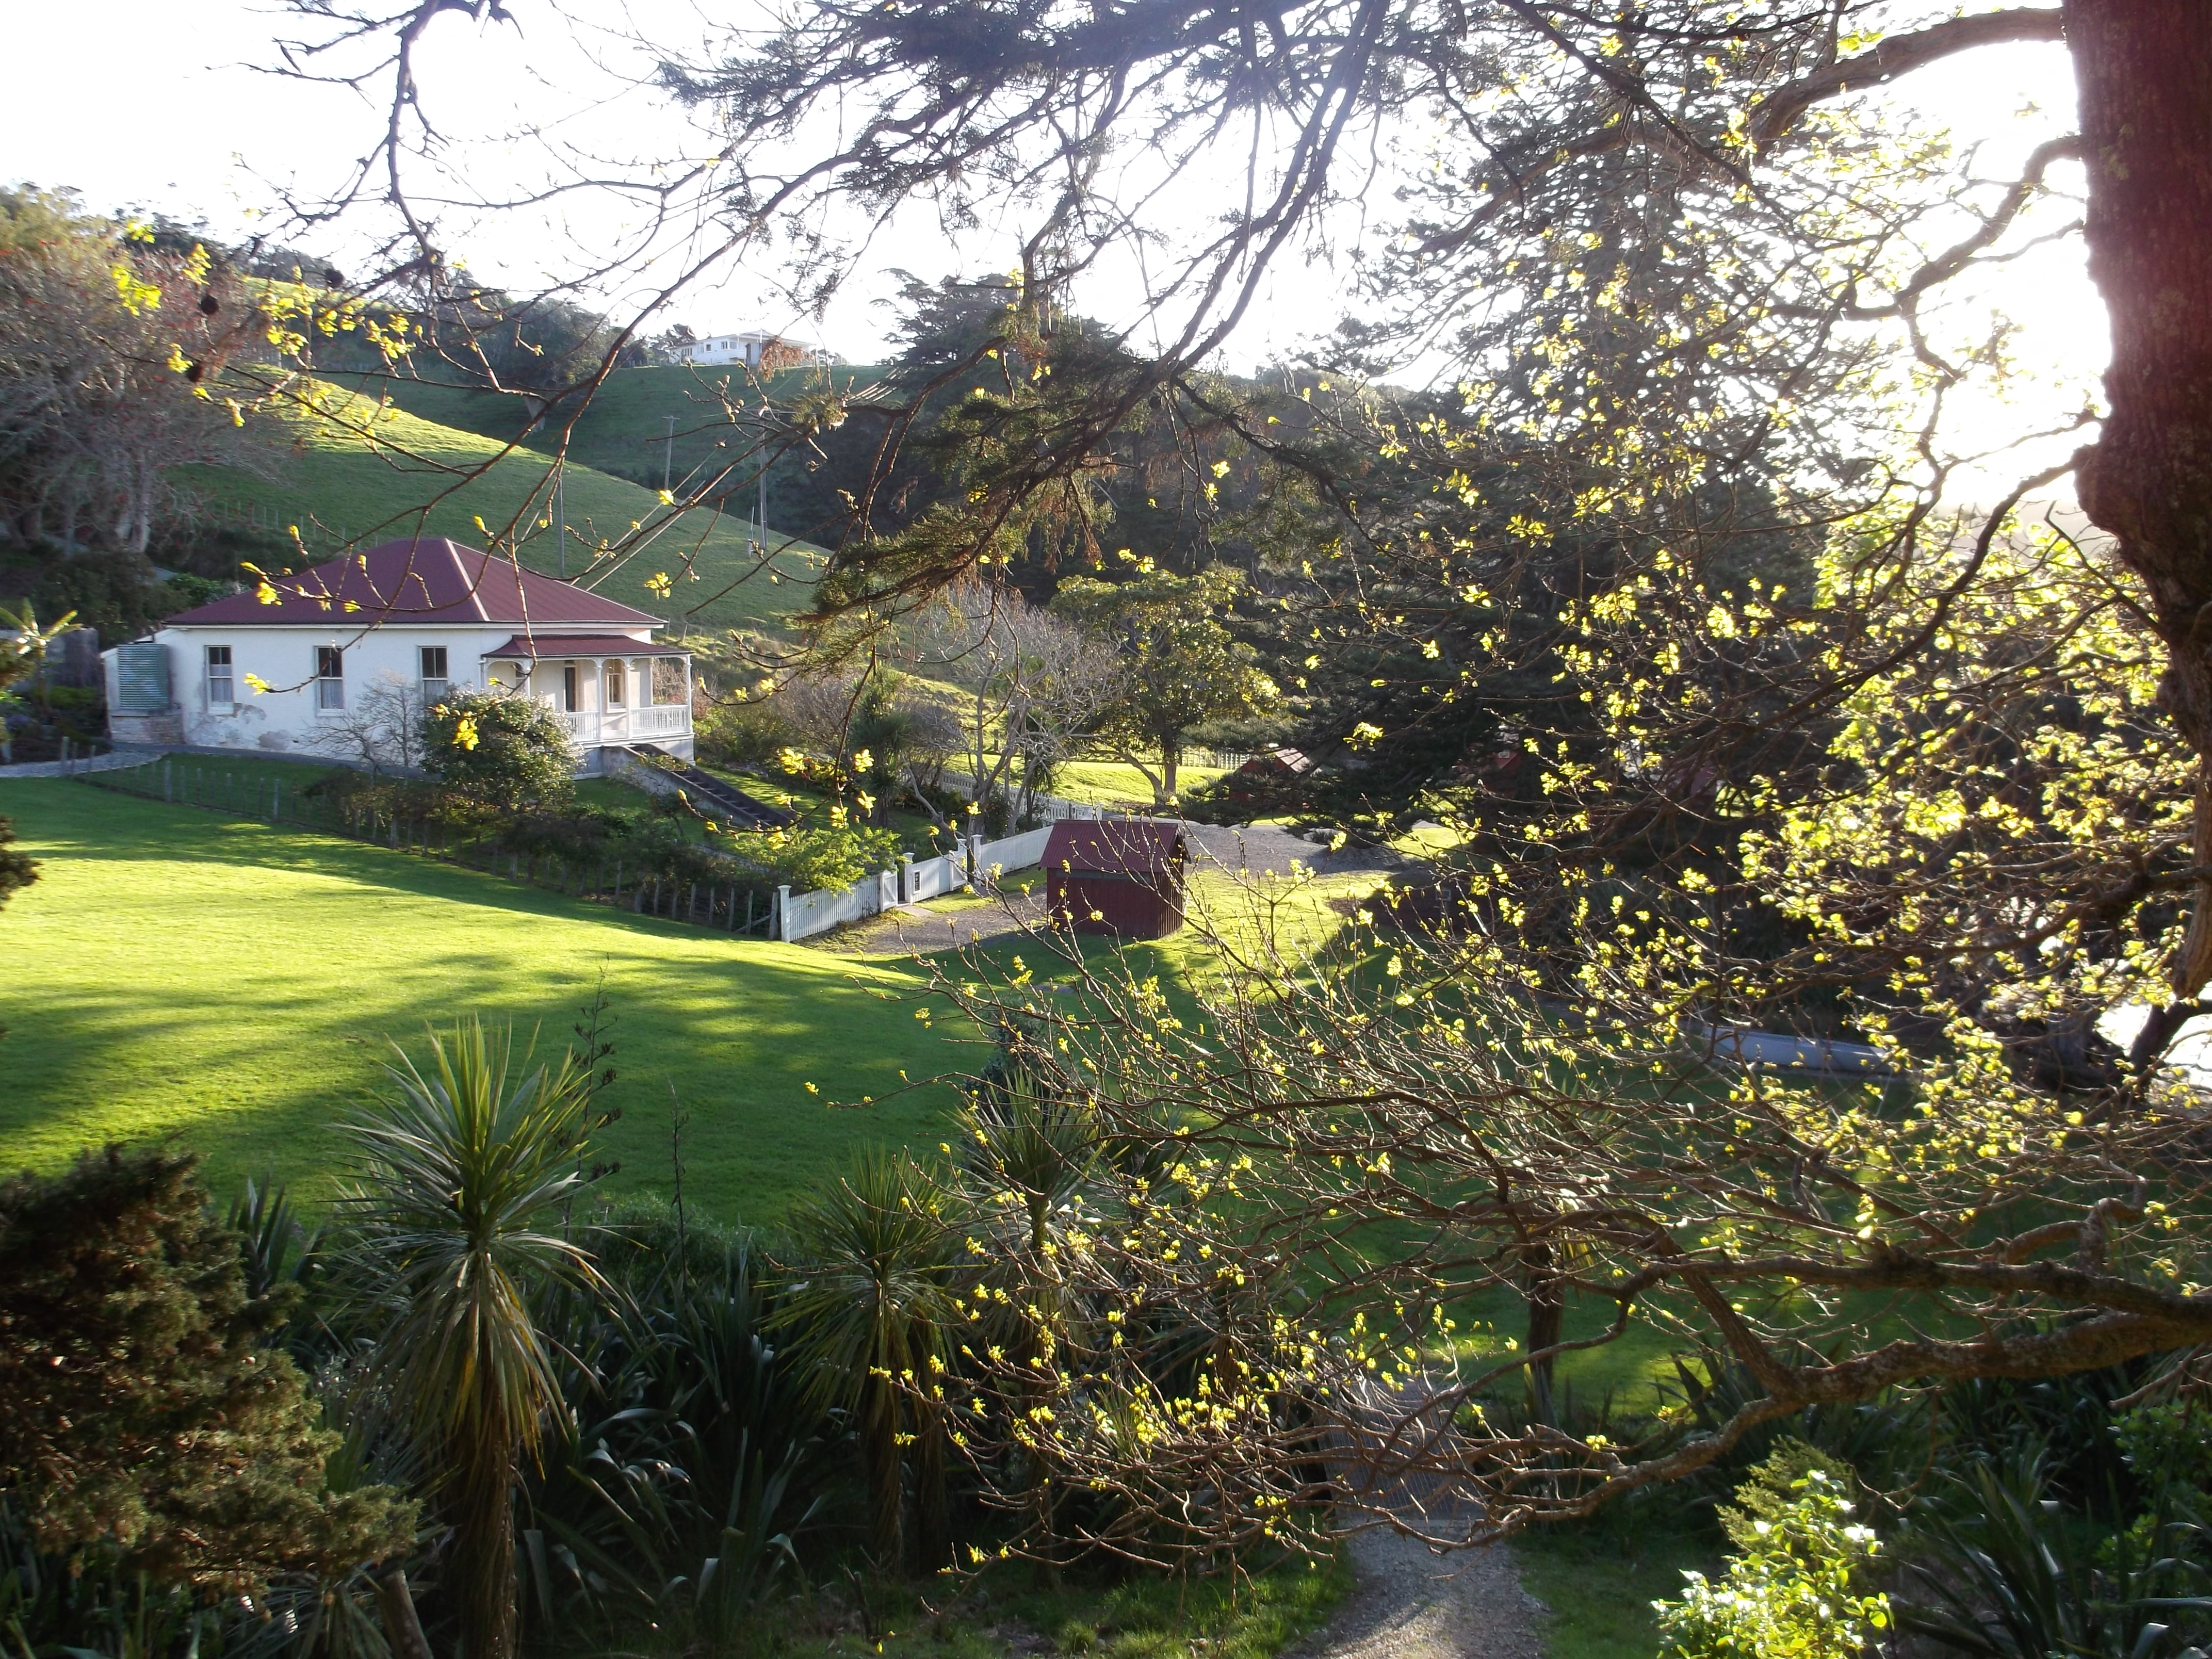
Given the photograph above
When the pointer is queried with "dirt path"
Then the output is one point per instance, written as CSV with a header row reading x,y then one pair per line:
x,y
904,930
1411,1603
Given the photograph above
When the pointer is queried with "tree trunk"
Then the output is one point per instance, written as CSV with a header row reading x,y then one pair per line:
x,y
886,1476
2144,71
483,1579
402,1630
1547,1309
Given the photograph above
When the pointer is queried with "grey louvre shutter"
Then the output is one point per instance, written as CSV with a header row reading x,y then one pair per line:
x,y
142,677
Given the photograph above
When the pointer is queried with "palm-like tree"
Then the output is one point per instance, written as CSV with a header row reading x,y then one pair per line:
x,y
457,1183
871,1308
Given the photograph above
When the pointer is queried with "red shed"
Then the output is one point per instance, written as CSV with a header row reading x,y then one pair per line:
x,y
1115,876
1267,776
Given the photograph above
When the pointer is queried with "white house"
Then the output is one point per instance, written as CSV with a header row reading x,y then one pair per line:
x,y
291,667
756,349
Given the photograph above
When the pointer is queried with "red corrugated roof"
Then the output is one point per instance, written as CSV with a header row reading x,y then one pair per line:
x,y
1127,846
537,646
427,580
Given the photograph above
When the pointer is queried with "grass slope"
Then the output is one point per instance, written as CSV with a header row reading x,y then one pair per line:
x,y
339,486
624,429
175,971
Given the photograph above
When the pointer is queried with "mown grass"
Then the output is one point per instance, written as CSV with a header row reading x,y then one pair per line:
x,y
409,477
1597,1583
181,972
1117,783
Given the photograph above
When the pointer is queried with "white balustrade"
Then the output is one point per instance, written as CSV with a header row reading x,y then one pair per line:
x,y
619,725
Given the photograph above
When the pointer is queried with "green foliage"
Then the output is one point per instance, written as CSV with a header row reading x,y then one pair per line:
x,y
869,1306
141,1408
1795,1588
457,1184
745,734
2001,1571
686,1467
499,749
18,870
1181,667
808,860
2167,1445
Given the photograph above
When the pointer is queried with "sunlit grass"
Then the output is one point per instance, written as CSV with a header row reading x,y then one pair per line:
x,y
181,972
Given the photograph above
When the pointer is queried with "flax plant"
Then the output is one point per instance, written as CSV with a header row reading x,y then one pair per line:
x,y
459,1185
870,1310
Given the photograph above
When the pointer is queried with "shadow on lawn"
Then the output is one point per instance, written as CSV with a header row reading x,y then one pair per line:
x,y
234,985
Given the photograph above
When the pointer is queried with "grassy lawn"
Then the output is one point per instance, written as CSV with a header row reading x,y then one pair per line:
x,y
177,971
1117,783
404,484
1599,1582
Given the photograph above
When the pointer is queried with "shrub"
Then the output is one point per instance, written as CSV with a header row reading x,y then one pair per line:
x,y
1794,1584
807,860
745,734
499,749
17,869
2001,1570
142,1412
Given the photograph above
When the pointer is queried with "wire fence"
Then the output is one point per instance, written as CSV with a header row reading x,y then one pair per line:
x,y
730,907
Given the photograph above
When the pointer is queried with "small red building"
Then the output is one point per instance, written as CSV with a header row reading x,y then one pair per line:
x,y
1267,776
1121,876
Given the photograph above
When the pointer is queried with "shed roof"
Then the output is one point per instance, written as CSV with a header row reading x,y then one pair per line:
x,y
425,580
533,648
1149,846
1292,760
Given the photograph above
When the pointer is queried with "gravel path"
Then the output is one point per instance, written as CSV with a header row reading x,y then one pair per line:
x,y
1412,1603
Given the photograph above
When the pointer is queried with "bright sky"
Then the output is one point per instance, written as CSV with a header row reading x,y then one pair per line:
x,y
160,106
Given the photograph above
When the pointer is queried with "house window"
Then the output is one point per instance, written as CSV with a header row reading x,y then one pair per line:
x,y
221,689
569,688
433,673
330,677
614,685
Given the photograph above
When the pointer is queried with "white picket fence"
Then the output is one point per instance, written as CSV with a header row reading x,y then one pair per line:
x,y
975,863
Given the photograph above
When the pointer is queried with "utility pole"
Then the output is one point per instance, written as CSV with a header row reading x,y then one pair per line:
x,y
668,456
560,516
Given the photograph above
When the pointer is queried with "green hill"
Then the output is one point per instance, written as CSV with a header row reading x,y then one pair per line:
x,y
624,431
352,479
177,972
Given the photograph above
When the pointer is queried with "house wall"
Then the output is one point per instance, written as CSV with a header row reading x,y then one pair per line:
x,y
288,717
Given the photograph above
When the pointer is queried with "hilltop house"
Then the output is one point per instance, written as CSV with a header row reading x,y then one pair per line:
x,y
756,349
415,618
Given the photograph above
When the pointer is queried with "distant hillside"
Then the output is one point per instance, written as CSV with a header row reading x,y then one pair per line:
x,y
339,486
625,433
